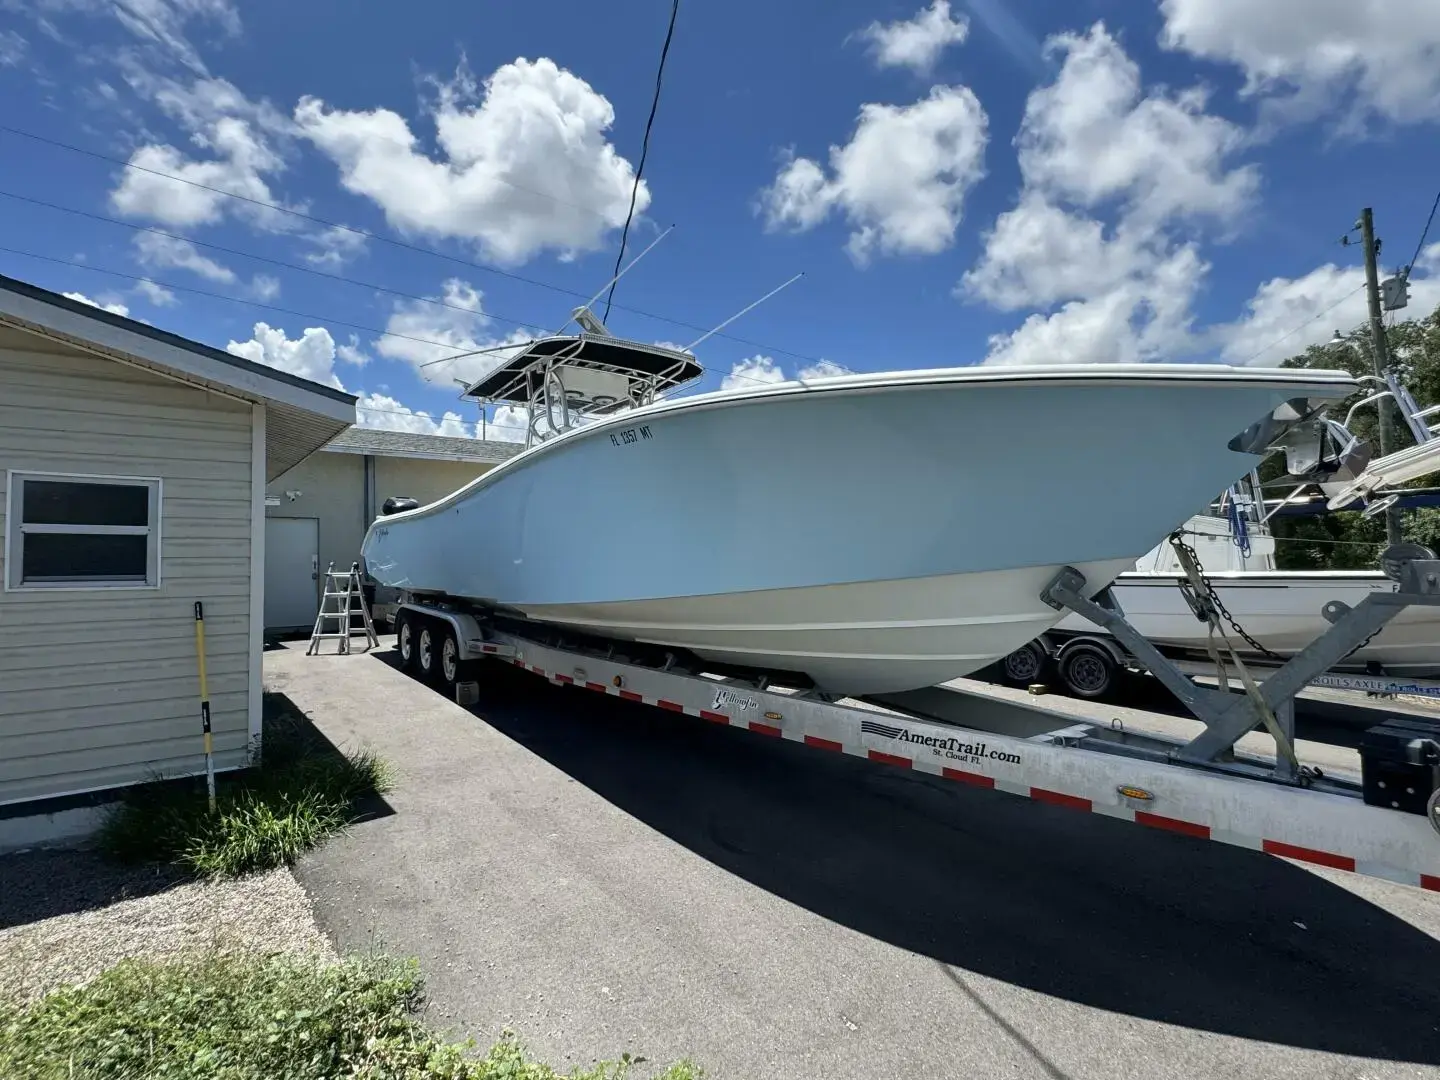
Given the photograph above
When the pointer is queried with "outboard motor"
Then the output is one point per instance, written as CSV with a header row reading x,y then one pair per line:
x,y
397,504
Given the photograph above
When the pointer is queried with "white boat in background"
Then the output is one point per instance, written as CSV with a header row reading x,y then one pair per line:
x,y
1279,609
872,533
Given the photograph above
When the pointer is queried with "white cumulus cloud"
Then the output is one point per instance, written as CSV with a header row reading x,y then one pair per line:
x,y
917,42
159,250
1094,143
311,355
1094,135
112,306
156,187
1305,55
385,412
751,372
424,334
525,164
1287,315
155,293
901,180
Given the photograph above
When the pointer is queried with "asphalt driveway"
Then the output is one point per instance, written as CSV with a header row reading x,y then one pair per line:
x,y
604,877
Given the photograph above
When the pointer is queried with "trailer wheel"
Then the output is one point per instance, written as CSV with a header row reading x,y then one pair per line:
x,y
405,640
426,650
1025,665
450,665
1087,671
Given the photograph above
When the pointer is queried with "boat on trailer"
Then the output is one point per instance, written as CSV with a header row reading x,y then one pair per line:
x,y
865,532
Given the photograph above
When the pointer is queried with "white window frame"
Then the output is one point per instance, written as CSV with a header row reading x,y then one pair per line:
x,y
16,531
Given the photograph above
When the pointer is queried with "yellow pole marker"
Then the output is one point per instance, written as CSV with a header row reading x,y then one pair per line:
x,y
205,702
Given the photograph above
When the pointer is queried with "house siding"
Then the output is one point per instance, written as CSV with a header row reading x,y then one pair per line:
x,y
416,478
99,688
330,491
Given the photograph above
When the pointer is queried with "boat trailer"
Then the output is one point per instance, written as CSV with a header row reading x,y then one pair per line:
x,y
1385,823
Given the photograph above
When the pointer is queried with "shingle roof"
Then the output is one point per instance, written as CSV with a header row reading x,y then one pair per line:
x,y
363,440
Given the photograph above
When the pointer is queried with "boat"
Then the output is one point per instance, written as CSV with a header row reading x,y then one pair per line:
x,y
1279,611
861,533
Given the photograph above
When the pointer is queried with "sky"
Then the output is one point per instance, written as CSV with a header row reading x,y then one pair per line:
x,y
354,193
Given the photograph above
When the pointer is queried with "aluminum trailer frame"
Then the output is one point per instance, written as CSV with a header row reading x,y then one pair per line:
x,y
1202,788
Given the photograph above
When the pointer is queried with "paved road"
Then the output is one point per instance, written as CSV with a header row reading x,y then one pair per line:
x,y
606,877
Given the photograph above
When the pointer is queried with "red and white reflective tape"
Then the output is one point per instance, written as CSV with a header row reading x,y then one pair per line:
x,y
1039,794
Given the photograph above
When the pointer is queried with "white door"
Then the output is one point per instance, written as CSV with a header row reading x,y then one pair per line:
x,y
292,571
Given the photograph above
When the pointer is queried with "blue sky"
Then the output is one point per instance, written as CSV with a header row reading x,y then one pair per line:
x,y
983,181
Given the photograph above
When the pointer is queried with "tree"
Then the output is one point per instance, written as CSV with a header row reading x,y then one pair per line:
x,y
1348,540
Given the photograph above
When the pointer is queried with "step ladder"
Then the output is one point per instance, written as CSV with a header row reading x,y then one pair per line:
x,y
345,588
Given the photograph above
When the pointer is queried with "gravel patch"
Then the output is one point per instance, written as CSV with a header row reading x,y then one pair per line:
x,y
65,916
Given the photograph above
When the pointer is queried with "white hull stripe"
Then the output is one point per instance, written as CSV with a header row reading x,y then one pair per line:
x,y
1055,798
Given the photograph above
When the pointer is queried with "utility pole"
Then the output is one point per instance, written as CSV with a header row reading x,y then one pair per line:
x,y
1380,354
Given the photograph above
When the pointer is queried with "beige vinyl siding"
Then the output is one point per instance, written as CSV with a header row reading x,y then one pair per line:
x,y
99,687
331,488
417,478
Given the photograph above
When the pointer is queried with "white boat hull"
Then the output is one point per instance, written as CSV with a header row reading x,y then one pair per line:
x,y
1280,610
868,637
876,533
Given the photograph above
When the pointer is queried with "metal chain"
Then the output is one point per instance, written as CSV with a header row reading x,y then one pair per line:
x,y
1219,605
1213,598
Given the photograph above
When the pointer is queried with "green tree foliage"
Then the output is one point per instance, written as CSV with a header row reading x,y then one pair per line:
x,y
1349,541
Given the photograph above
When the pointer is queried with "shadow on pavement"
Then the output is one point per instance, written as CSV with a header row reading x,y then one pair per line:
x,y
1073,905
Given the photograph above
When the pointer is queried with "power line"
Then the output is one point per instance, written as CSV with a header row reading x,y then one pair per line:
x,y
267,259
393,242
1423,234
232,299
644,151
291,311
1297,329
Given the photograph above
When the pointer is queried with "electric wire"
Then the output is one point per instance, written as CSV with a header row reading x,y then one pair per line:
x,y
405,245
75,263
484,313
1295,330
644,151
1423,234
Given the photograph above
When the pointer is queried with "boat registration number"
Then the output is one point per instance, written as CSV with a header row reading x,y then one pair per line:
x,y
631,435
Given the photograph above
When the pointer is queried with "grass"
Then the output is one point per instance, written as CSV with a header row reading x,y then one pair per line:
x,y
245,1018
265,817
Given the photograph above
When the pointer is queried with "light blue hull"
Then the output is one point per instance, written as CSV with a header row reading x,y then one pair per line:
x,y
658,525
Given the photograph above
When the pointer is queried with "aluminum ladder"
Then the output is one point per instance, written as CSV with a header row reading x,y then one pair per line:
x,y
351,596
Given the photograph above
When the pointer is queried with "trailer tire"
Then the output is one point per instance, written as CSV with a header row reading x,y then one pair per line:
x,y
1087,671
449,667
427,649
1026,665
405,630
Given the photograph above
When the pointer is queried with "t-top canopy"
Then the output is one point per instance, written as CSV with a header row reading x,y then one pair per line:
x,y
520,380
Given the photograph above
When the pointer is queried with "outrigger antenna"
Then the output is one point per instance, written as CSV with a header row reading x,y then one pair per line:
x,y
742,311
588,320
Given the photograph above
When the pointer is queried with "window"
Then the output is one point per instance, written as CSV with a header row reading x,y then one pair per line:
x,y
82,532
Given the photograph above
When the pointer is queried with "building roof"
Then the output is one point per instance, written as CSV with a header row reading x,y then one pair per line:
x,y
300,415
364,440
